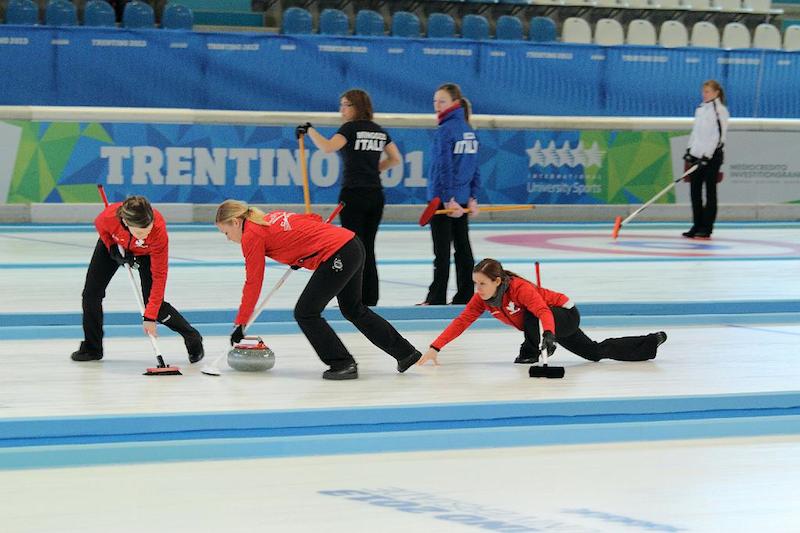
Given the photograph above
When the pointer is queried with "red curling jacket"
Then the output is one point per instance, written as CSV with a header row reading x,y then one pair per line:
x,y
520,296
156,245
288,238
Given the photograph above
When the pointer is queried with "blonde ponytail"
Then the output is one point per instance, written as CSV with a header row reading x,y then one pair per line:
x,y
231,209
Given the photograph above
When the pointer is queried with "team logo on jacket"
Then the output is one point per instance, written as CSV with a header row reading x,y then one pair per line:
x,y
337,264
282,218
468,145
140,243
512,308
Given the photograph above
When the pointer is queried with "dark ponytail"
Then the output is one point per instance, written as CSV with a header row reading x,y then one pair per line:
x,y
136,212
492,269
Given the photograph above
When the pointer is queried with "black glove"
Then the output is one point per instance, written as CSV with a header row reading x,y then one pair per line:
x,y
237,335
689,158
548,342
302,129
704,161
120,259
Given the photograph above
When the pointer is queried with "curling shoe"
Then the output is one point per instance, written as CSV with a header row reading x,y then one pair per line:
x,y
194,347
408,362
527,358
84,354
348,372
661,338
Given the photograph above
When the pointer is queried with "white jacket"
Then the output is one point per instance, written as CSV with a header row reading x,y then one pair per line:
x,y
705,135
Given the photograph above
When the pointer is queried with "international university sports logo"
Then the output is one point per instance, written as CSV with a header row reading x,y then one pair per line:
x,y
565,156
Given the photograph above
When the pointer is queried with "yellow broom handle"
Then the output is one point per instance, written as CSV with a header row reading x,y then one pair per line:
x,y
304,168
490,209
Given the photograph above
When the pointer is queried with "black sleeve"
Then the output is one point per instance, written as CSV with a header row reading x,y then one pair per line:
x,y
347,130
388,137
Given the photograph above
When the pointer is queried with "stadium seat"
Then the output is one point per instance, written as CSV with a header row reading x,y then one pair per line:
x,y
99,13
705,34
791,39
608,32
405,24
673,34
60,13
735,35
509,28
138,15
641,4
543,30
441,26
296,21
369,22
767,36
576,30
642,32
475,27
23,12
177,17
333,22
671,4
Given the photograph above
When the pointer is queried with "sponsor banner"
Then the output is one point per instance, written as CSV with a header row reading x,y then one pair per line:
x,y
64,161
760,168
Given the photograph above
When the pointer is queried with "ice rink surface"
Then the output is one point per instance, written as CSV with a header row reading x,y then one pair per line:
x,y
706,437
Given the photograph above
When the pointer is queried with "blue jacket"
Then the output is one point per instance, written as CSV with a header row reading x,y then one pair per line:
x,y
454,171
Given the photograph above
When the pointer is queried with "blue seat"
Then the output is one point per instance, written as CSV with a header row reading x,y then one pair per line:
x,y
296,20
333,22
441,26
542,30
369,22
475,27
61,13
405,24
22,12
509,28
177,17
138,15
99,13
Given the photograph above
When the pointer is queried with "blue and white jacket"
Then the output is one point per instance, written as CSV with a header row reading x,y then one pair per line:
x,y
454,171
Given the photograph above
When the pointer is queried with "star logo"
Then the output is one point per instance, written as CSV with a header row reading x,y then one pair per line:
x,y
564,156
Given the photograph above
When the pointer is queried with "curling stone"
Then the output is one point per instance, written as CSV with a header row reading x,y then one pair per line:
x,y
251,355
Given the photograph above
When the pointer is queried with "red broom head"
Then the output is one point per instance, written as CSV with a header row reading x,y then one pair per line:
x,y
617,227
426,215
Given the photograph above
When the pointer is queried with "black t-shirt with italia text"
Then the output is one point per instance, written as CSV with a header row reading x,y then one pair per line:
x,y
362,153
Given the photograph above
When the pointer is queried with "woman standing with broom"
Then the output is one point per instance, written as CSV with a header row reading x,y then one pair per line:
x,y
361,143
454,179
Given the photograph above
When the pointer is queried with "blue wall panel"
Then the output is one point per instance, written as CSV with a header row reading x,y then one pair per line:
x,y
154,68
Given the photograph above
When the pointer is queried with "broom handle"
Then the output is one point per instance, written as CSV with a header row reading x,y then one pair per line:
x,y
490,209
304,170
134,286
659,195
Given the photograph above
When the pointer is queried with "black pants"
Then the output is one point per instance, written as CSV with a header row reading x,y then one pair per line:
x,y
704,216
101,269
444,231
570,336
340,276
362,213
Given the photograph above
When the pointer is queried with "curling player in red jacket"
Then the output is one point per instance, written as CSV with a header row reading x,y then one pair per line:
x,y
142,232
336,256
522,304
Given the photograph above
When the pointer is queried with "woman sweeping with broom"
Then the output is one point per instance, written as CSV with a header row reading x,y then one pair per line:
x,y
336,256
522,304
142,233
